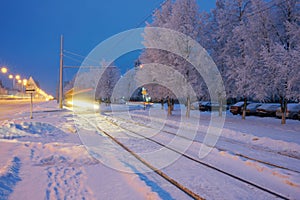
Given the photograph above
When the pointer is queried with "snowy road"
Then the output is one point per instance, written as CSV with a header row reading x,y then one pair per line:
x,y
47,158
9,108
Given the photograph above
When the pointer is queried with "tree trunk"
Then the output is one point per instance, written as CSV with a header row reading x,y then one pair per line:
x,y
283,110
188,107
244,109
220,107
172,104
169,106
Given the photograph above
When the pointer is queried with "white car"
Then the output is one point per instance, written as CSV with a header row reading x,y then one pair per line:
x,y
292,111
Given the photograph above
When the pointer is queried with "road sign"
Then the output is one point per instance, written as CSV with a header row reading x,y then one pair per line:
x,y
29,90
30,86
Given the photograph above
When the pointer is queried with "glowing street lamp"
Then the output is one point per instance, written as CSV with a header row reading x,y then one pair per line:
x,y
4,70
24,85
18,77
13,80
24,82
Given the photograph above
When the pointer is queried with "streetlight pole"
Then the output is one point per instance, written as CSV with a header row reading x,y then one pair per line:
x,y
4,71
18,81
13,80
60,95
24,83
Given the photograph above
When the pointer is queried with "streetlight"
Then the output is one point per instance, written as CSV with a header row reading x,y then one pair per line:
x,y
20,85
4,70
18,77
24,85
24,81
13,80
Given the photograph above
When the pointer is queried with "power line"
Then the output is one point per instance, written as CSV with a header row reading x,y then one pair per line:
x,y
158,6
265,9
256,12
81,56
139,24
75,54
73,59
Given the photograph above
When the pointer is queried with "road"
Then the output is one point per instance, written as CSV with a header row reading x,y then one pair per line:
x,y
10,107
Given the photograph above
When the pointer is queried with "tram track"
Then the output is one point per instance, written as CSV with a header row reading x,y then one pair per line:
x,y
181,187
269,191
222,149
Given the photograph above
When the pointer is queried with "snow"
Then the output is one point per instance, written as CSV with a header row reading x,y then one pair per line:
x,y
293,106
52,163
239,103
269,106
59,154
9,176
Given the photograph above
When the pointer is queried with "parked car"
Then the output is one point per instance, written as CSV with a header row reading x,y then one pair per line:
x,y
209,106
267,109
237,108
251,108
204,106
292,111
299,115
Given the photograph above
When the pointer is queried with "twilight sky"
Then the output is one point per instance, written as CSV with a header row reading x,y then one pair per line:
x,y
30,33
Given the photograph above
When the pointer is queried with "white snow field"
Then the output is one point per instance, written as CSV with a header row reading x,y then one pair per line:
x,y
64,155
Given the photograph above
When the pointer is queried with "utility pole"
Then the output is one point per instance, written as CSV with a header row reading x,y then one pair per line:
x,y
60,95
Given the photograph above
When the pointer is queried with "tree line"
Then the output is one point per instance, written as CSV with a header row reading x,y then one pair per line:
x,y
254,43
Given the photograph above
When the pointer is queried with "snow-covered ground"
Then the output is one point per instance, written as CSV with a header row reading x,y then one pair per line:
x,y
64,155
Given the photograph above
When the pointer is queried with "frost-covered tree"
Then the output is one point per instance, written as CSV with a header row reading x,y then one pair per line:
x,y
185,19
233,48
181,16
86,78
161,18
281,57
107,81
260,36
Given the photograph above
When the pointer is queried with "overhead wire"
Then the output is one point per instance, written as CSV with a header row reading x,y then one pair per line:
x,y
159,6
81,56
73,59
257,12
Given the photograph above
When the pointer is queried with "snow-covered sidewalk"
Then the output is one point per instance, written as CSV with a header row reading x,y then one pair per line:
x,y
43,158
